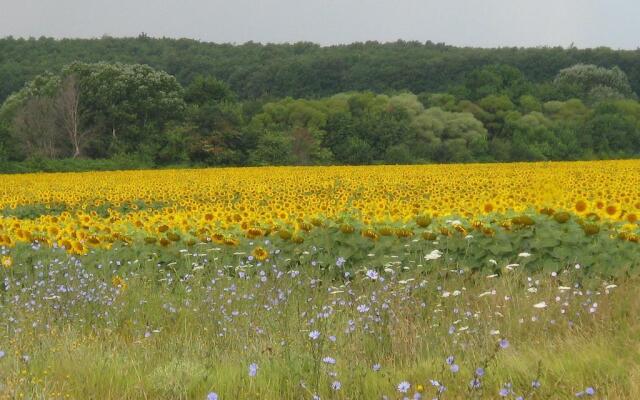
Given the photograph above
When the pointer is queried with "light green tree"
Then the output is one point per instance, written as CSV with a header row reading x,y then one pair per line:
x,y
593,83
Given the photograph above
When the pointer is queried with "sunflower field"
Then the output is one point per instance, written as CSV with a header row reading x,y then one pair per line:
x,y
565,207
397,282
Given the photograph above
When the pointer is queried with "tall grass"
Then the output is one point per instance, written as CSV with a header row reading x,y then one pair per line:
x,y
193,327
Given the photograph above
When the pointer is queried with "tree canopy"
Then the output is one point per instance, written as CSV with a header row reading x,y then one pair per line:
x,y
179,101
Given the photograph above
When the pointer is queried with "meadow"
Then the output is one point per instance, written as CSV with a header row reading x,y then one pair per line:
x,y
480,281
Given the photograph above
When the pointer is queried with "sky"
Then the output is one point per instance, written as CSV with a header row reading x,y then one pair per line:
x,y
479,23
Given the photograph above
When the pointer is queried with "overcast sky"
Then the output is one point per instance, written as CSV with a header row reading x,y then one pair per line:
x,y
485,23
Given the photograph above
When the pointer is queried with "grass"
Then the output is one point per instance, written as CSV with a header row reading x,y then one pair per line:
x,y
193,326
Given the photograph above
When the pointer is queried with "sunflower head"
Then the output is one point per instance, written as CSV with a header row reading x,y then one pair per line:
x,y
118,282
562,217
423,221
260,253
6,262
371,234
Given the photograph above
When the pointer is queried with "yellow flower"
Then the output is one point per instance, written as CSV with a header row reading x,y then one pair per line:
x,y
7,262
219,206
260,253
118,282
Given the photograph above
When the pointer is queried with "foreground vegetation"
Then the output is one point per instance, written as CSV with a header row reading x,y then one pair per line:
x,y
449,281
142,323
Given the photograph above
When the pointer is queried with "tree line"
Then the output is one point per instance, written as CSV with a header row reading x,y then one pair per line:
x,y
302,70
485,111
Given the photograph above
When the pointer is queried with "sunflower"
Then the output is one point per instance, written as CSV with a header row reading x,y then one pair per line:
x,y
6,262
260,253
371,234
78,248
118,282
254,232
581,206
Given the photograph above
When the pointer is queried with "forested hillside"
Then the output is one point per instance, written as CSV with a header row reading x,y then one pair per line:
x,y
301,69
157,102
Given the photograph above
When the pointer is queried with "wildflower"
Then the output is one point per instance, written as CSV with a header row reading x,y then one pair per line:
x,y
329,360
340,261
313,335
450,360
2,353
403,387
376,367
588,392
363,308
371,274
454,368
212,396
542,304
475,383
6,262
434,255
253,369
336,385
440,386
480,372
504,343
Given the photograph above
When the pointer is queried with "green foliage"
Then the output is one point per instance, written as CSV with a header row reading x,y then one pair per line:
x,y
213,119
5,142
273,148
308,105
495,79
613,129
593,83
32,211
532,138
399,154
308,70
120,162
128,105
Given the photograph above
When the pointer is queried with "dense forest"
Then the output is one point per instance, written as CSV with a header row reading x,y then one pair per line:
x,y
154,102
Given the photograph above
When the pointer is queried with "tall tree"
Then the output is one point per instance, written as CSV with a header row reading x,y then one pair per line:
x,y
127,106
591,82
67,103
